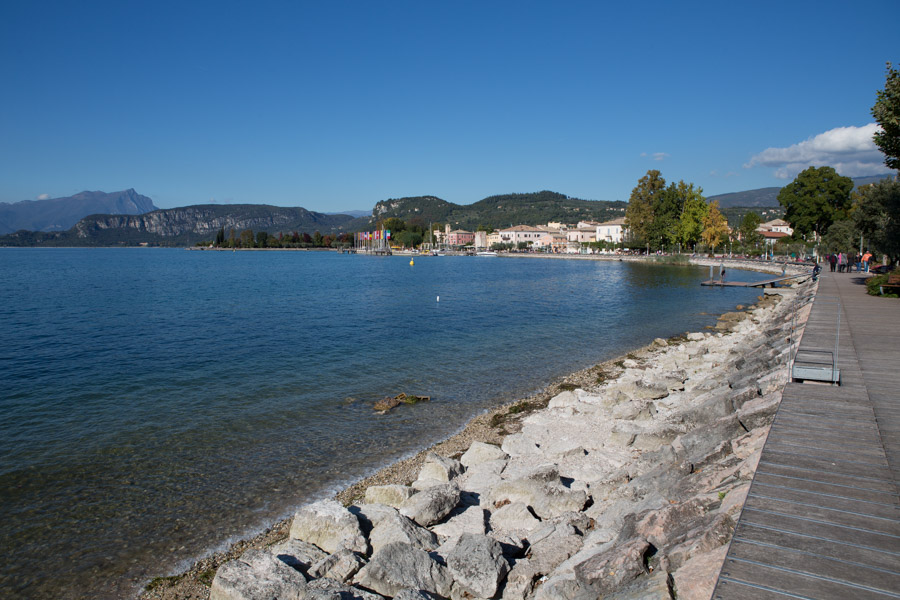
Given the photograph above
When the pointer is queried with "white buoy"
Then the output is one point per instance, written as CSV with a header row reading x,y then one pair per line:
x,y
439,299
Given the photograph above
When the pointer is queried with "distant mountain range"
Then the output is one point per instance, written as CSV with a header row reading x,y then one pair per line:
x,y
128,218
182,226
59,214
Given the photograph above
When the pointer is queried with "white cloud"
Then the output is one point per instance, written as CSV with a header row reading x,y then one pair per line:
x,y
656,155
43,197
850,150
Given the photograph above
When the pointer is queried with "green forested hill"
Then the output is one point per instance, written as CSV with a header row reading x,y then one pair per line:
x,y
536,208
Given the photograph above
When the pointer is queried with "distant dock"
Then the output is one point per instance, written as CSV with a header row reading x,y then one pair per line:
x,y
760,284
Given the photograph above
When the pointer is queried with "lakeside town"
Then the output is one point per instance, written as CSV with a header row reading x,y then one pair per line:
x,y
583,237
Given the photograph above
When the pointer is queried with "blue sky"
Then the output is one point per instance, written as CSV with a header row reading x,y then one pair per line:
x,y
336,105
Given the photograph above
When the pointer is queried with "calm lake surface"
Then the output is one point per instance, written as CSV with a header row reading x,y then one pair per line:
x,y
156,404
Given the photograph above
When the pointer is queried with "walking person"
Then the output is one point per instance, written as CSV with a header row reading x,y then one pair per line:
x,y
840,262
832,261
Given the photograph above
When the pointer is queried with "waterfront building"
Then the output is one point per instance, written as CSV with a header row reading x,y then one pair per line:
x,y
521,233
460,237
481,239
611,231
552,241
582,235
775,226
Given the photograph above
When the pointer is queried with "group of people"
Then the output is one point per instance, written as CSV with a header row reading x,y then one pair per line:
x,y
844,263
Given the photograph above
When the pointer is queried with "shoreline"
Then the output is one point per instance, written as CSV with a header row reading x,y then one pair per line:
x,y
193,583
491,426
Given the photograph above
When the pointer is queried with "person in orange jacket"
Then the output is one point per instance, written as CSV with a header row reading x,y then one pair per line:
x,y
865,260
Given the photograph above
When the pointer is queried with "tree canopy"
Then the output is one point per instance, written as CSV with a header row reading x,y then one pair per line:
x,y
639,214
815,199
877,216
715,226
887,113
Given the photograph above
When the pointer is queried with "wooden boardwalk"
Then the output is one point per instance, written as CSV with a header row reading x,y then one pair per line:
x,y
822,518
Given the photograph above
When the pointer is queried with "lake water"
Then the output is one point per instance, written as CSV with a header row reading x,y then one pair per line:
x,y
156,404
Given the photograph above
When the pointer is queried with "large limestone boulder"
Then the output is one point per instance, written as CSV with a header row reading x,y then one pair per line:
x,y
440,468
696,579
614,569
389,495
432,505
513,517
542,490
329,589
399,566
297,553
471,520
397,528
479,452
551,545
340,566
482,477
369,515
330,526
257,575
477,565
563,399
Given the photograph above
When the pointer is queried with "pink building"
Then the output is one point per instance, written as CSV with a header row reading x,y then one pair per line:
x,y
460,237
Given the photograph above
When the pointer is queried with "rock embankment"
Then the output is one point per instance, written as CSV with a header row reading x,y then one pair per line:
x,y
627,490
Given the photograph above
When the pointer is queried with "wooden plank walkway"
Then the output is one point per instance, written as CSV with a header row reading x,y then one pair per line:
x,y
767,282
822,518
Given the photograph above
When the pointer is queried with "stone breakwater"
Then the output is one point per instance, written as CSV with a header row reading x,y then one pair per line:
x,y
628,488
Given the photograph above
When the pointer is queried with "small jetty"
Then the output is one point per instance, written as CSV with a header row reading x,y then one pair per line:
x,y
760,284
822,516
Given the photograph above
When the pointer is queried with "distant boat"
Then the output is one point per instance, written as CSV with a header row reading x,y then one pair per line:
x,y
485,253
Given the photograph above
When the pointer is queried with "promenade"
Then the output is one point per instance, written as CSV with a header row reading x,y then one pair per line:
x,y
822,517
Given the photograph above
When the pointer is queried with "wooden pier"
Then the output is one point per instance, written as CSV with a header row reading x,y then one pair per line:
x,y
762,284
822,516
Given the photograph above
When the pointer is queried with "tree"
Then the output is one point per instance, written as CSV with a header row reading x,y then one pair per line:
x,y
407,238
877,215
842,236
715,227
394,225
887,112
667,208
815,199
690,225
247,238
639,214
747,228
262,239
220,236
317,239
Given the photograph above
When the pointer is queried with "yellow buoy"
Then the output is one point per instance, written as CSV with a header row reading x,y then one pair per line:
x,y
412,262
